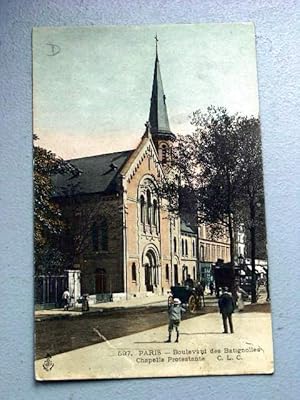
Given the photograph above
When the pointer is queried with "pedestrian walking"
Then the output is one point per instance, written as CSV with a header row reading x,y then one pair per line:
x,y
174,312
226,306
66,299
211,288
200,292
241,294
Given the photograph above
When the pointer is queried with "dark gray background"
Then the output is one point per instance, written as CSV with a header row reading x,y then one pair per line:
x,y
277,30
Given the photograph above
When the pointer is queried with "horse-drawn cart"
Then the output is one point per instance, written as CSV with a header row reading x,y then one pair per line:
x,y
192,297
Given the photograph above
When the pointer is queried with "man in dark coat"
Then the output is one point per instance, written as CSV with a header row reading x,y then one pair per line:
x,y
226,306
189,281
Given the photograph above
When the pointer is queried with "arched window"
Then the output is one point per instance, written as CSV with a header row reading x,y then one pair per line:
x,y
175,245
142,205
133,272
186,247
149,206
155,212
184,273
95,237
103,235
167,272
202,253
182,247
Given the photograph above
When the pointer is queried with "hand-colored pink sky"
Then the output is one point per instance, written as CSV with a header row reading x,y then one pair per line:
x,y
93,96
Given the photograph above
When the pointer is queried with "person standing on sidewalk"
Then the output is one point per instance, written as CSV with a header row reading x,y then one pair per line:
x,y
226,306
66,299
174,311
241,294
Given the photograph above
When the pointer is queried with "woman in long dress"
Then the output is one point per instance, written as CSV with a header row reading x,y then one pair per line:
x,y
240,301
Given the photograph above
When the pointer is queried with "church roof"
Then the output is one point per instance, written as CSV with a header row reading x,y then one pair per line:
x,y
98,174
158,116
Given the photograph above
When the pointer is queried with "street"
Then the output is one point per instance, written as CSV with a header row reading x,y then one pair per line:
x,y
202,348
55,336
59,335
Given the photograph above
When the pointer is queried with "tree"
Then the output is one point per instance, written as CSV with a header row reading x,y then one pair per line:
x,y
251,199
218,174
207,165
48,221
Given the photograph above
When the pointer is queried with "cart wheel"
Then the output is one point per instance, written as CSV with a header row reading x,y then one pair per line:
x,y
192,303
170,299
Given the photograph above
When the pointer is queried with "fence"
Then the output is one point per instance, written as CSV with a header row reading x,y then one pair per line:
x,y
48,289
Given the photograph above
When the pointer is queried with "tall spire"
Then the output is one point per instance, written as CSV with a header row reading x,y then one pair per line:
x,y
158,116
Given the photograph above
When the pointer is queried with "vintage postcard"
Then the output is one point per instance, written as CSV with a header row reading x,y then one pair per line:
x,y
149,222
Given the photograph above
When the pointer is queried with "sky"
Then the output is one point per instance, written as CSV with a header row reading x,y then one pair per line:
x,y
92,85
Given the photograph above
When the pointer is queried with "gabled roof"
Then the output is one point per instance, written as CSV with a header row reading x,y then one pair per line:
x,y
133,160
98,174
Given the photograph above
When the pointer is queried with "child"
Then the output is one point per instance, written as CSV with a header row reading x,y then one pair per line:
x,y
174,311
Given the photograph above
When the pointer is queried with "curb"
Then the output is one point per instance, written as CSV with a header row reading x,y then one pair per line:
x,y
99,311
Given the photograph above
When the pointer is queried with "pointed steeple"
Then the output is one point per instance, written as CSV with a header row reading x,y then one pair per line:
x,y
158,116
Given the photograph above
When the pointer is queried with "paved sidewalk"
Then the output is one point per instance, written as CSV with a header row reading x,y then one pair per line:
x,y
151,300
98,307
202,350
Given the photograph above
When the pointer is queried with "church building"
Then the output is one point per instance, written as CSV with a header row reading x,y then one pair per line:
x,y
124,240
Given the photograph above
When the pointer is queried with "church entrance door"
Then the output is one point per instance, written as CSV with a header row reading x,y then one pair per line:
x,y
151,271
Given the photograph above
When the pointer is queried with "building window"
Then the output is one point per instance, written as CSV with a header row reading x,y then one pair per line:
x,y
182,247
213,252
133,272
201,253
194,273
175,245
208,252
186,247
194,252
149,207
95,237
184,273
167,272
155,212
142,205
